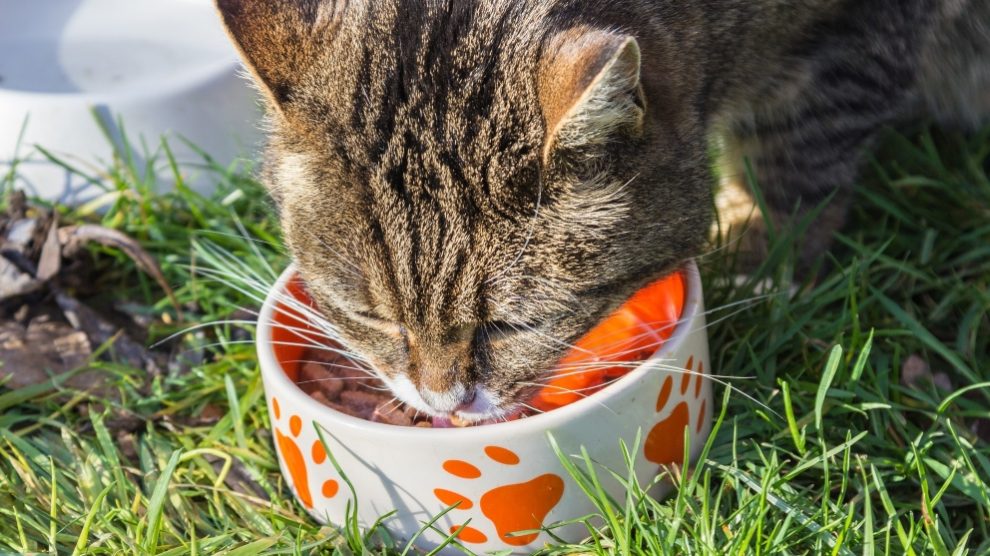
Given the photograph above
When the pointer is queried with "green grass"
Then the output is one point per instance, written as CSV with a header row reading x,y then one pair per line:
x,y
838,457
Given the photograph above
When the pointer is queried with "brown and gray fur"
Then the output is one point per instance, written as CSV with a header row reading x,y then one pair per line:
x,y
468,186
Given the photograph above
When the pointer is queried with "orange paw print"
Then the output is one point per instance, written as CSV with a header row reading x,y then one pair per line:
x,y
665,442
296,461
509,508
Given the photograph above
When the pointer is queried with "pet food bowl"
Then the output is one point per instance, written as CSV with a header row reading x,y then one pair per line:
x,y
72,70
504,478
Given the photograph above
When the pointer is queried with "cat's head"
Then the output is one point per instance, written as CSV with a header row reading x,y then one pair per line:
x,y
468,187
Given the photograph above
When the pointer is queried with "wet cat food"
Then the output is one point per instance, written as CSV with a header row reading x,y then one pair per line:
x,y
336,382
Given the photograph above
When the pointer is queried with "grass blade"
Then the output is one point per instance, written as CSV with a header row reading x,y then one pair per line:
x,y
827,377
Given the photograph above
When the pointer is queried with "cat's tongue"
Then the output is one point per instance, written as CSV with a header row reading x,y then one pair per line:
x,y
442,423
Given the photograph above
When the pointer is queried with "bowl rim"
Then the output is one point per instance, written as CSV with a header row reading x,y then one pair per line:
x,y
289,394
177,83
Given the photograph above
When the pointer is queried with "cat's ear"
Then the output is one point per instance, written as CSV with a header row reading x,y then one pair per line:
x,y
590,90
277,39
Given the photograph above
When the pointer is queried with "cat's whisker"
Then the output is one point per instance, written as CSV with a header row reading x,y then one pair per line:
x,y
254,248
725,243
528,407
311,335
631,339
371,374
316,347
360,379
195,327
378,389
521,326
747,302
231,271
226,261
616,194
659,342
354,269
343,353
312,315
242,285
718,379
594,387
567,390
212,324
309,332
255,240
515,327
244,322
235,263
391,405
563,372
245,286
301,311
255,288
318,333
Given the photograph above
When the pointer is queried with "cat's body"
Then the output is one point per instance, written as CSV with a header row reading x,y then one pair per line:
x,y
469,185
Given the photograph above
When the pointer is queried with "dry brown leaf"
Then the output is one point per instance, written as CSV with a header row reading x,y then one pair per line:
x,y
50,261
73,238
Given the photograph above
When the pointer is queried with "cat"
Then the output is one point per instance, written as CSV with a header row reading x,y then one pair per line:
x,y
468,186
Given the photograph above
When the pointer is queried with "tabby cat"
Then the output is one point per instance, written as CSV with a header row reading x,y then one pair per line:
x,y
468,186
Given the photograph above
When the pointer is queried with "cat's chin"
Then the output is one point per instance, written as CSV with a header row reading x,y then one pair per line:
x,y
485,408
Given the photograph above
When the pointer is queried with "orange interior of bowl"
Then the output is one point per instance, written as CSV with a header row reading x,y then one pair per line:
x,y
632,333
291,331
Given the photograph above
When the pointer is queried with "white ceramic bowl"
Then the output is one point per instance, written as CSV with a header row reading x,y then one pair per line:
x,y
507,476
160,67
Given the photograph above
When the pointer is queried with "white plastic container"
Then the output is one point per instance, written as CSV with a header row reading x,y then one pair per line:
x,y
162,67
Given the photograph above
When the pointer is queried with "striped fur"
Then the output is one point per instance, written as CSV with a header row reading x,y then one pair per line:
x,y
469,185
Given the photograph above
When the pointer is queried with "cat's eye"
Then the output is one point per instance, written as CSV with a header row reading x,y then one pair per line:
x,y
374,321
369,316
500,329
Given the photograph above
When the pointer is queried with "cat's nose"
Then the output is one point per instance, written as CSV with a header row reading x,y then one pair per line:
x,y
450,400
